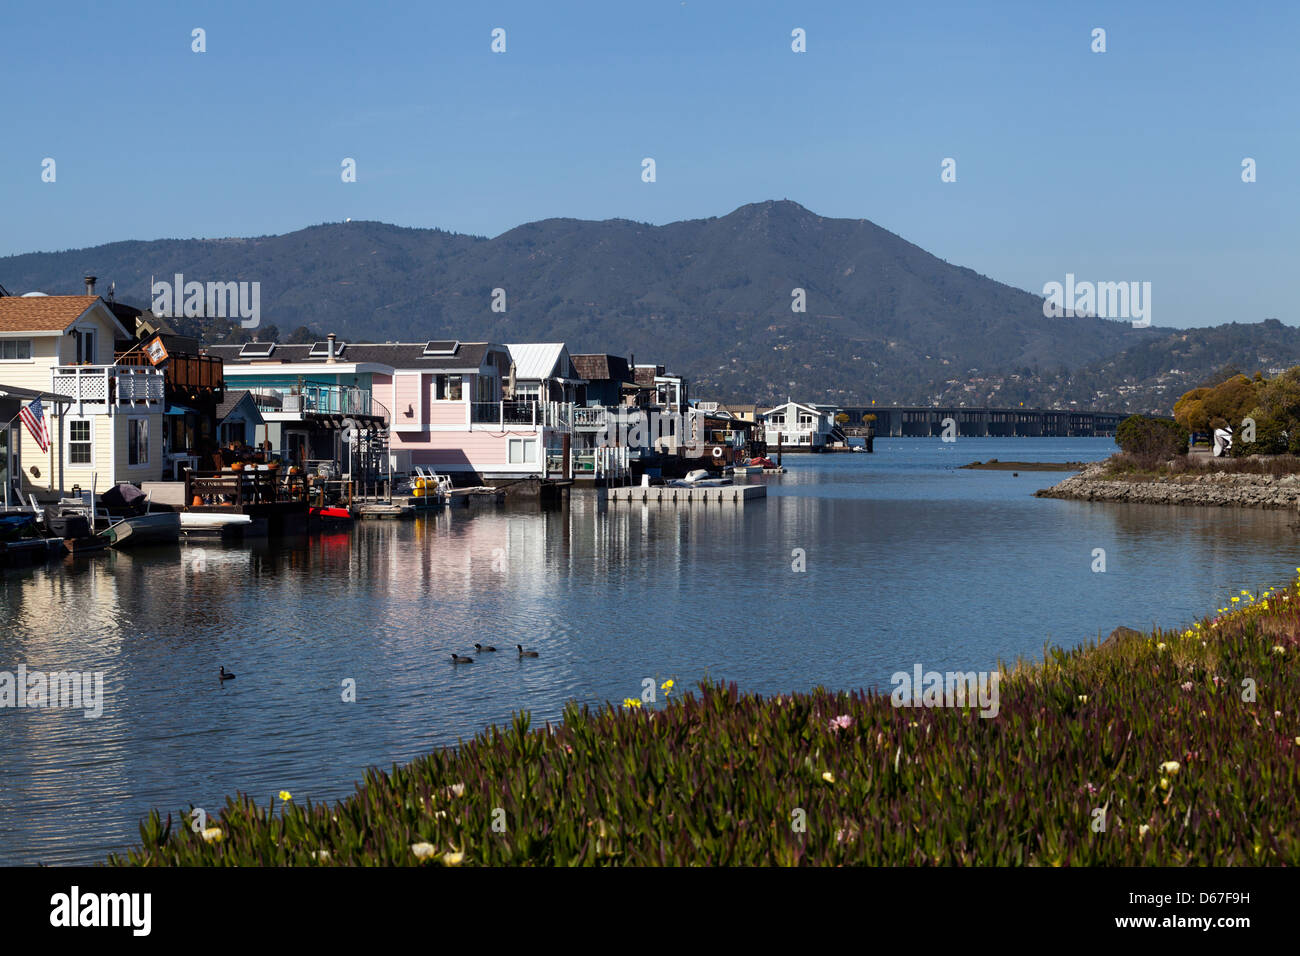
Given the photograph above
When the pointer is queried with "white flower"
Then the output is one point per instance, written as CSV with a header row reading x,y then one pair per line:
x,y
423,851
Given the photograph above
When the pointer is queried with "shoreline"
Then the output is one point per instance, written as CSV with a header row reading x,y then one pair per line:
x,y
1265,492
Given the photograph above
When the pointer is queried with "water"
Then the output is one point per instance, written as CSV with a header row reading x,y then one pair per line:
x,y
909,560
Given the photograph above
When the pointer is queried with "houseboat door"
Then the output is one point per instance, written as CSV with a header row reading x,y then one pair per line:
x,y
10,467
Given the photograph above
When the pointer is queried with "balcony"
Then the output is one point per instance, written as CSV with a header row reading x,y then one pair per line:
x,y
506,413
303,400
103,389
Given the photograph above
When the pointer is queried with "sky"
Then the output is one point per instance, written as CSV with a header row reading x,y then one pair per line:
x,y
1123,165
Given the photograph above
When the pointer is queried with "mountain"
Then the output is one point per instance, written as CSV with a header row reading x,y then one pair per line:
x,y
711,298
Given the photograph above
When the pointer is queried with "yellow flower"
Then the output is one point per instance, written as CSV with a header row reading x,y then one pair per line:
x,y
286,795
828,777
456,790
631,702
423,851
1235,600
666,685
1279,649
453,859
1161,646
213,835
1170,766
1164,783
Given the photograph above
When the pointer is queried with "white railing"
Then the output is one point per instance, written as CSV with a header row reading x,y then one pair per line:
x,y
106,386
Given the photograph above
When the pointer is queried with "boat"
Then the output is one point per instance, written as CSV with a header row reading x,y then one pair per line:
x,y
329,514
86,545
699,478
211,520
12,525
158,527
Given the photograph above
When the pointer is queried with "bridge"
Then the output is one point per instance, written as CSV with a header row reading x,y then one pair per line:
x,y
923,421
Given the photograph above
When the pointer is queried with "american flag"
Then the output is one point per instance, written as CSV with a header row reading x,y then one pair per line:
x,y
34,418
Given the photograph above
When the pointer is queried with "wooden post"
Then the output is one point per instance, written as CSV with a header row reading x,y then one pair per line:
x,y
779,443
566,455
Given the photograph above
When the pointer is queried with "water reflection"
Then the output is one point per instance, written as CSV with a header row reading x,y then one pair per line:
x,y
908,560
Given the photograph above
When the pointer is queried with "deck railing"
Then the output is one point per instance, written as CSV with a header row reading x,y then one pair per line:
x,y
105,386
309,399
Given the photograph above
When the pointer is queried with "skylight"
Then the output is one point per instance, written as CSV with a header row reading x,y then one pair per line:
x,y
257,350
322,349
446,347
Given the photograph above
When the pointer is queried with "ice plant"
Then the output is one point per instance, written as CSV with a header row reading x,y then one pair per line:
x,y
423,851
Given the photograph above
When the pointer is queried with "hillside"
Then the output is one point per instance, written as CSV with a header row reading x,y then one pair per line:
x,y
711,297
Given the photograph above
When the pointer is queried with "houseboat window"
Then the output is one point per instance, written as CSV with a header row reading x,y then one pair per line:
x,y
805,420
15,350
528,393
522,451
448,388
777,419
79,443
485,389
85,346
137,441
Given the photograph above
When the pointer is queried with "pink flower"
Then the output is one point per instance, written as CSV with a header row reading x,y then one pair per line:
x,y
843,722
1187,686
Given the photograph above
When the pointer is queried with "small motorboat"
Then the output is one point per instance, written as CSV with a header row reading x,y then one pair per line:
x,y
330,514
13,525
204,521
158,527
699,478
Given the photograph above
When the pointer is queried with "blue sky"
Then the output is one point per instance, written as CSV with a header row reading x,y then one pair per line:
x,y
1123,165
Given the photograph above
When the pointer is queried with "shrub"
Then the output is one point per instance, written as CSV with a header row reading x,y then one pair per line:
x,y
1151,439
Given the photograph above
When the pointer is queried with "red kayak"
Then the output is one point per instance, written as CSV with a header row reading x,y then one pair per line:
x,y
762,462
330,514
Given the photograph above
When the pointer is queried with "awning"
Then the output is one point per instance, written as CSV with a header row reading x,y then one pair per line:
x,y
179,410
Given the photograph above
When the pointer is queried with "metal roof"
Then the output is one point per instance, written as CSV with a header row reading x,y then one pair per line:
x,y
539,361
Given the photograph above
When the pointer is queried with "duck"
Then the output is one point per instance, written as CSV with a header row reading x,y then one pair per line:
x,y
224,674
457,659
524,653
481,649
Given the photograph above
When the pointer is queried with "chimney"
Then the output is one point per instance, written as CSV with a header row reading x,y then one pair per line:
x,y
90,284
329,358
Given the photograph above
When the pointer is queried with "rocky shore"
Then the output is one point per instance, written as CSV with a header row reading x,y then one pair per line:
x,y
1206,490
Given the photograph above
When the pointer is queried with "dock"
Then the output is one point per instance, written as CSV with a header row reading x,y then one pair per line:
x,y
676,495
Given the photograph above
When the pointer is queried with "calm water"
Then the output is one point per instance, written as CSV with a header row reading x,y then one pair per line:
x,y
908,561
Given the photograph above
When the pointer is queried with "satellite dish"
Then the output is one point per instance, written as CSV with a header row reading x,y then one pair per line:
x,y
349,219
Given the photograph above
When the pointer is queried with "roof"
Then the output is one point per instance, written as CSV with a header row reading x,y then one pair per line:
x,y
598,368
232,401
538,361
468,356
42,313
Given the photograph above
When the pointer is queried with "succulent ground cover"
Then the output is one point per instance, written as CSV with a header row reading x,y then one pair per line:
x,y
1166,748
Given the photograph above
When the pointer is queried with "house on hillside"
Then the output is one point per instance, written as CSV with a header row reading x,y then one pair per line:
x,y
106,426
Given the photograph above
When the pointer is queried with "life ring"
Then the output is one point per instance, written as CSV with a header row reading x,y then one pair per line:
x,y
717,452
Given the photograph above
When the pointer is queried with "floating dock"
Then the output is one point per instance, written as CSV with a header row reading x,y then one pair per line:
x,y
672,494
